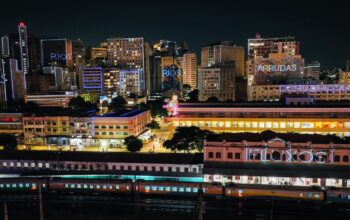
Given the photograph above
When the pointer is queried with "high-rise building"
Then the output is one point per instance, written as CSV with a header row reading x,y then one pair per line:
x,y
189,70
126,52
155,73
344,77
223,52
217,81
131,81
12,82
312,70
110,81
259,46
23,45
57,52
93,80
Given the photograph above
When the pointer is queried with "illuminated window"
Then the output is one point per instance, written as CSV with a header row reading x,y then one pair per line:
x,y
261,125
268,124
254,124
296,124
227,124
282,125
247,124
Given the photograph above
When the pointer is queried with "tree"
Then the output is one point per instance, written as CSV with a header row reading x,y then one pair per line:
x,y
117,104
153,125
157,109
133,144
187,139
8,141
213,99
78,104
186,86
29,107
193,96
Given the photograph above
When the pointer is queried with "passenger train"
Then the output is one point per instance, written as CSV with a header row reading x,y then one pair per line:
x,y
172,188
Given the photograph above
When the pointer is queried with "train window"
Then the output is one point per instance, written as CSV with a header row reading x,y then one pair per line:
x,y
240,192
40,165
98,186
117,187
33,185
47,165
78,186
203,189
8,185
154,188
85,186
174,189
32,164
72,186
14,185
210,154
66,185
4,164
1,185
237,156
161,188
25,164
12,164
110,186
195,190
104,187
188,189
167,188
91,186
316,195
27,184
18,164
181,189
147,188
309,194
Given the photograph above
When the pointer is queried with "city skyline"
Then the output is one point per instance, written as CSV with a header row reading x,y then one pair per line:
x,y
315,26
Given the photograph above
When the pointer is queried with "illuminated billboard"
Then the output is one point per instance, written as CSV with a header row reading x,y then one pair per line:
x,y
171,78
278,69
57,52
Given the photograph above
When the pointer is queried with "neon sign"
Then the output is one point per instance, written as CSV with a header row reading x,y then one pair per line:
x,y
277,68
171,72
60,56
291,155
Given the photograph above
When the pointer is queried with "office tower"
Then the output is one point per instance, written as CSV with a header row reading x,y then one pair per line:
x,y
23,45
312,70
93,80
155,73
189,69
12,82
131,82
217,81
223,52
57,52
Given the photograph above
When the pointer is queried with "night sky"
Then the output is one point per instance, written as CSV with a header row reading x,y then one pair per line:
x,y
323,28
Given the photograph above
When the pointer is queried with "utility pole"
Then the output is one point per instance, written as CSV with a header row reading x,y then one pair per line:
x,y
41,204
199,206
137,200
6,215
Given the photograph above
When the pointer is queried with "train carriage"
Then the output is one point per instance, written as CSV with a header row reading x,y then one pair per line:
x,y
290,192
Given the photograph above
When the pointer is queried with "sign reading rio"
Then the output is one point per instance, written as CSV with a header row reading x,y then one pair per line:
x,y
289,155
171,72
60,56
277,68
